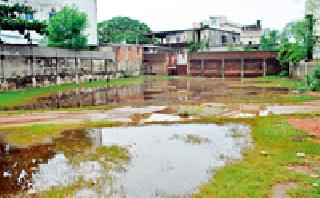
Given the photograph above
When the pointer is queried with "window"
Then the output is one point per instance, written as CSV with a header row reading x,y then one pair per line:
x,y
29,16
52,14
234,39
167,40
223,39
178,39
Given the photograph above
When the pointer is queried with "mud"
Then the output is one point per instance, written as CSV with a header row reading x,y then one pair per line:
x,y
311,126
280,190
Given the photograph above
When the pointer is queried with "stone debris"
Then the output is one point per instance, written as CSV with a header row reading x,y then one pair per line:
x,y
315,185
31,192
301,155
297,139
314,176
265,153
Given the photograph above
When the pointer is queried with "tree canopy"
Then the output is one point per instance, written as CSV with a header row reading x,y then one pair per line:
x,y
295,42
123,29
270,42
11,18
66,28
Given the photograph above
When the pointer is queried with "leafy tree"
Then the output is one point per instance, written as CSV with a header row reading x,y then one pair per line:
x,y
270,42
294,42
193,46
120,29
66,28
11,19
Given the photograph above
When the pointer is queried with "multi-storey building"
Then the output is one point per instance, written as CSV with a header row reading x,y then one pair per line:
x,y
217,32
251,34
313,8
46,9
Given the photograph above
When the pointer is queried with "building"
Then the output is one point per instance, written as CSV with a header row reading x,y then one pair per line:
x,y
313,8
218,32
46,9
251,34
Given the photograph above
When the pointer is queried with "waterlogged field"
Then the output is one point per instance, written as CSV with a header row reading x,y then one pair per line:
x,y
179,137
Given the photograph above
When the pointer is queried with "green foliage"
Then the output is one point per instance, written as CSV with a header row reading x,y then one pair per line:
x,y
294,42
193,46
11,20
313,79
270,42
247,48
119,29
231,48
66,28
283,74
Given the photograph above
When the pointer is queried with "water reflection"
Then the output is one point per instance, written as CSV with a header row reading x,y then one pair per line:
x,y
88,162
154,92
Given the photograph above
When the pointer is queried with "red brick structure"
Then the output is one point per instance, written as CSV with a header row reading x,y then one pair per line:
x,y
214,64
233,64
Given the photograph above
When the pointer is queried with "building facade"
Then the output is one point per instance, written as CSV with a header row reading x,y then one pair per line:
x,y
46,9
217,32
313,8
251,34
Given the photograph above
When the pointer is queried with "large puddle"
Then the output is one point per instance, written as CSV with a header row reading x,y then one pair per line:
x,y
165,160
155,92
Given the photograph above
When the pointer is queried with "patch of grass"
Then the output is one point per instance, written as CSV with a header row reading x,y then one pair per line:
x,y
25,136
101,108
275,81
26,96
254,176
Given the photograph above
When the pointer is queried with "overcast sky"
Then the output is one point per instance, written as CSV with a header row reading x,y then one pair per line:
x,y
179,14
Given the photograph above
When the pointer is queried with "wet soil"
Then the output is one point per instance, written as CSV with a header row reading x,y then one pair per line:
x,y
280,190
311,126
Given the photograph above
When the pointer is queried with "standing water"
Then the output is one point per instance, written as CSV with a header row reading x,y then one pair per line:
x,y
165,160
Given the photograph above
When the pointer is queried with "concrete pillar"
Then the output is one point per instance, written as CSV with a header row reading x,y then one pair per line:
x,y
222,68
242,68
58,80
34,82
76,79
202,67
264,67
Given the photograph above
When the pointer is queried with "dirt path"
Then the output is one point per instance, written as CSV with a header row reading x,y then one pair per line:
x,y
124,114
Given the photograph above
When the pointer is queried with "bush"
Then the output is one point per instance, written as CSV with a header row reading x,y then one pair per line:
x,y
283,74
313,81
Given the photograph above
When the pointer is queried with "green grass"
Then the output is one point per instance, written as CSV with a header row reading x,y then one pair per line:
x,y
276,81
26,96
25,136
255,175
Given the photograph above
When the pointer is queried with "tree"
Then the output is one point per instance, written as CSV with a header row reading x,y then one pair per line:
x,y
11,19
270,42
66,28
294,42
123,29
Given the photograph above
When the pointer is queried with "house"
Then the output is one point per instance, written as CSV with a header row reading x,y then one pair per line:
x,y
48,8
217,32
251,34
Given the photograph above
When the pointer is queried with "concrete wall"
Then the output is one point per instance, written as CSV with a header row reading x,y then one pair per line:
x,y
40,66
299,71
